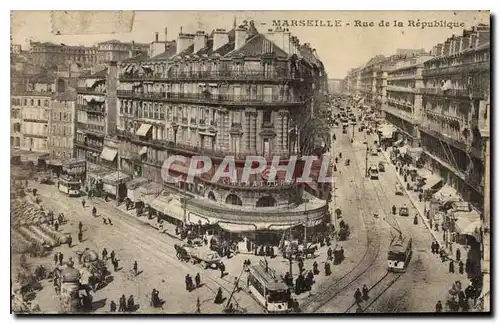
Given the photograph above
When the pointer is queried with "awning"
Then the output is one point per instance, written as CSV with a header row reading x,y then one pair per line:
x,y
446,194
90,98
143,130
136,183
147,67
280,227
108,154
431,181
169,206
403,149
143,150
237,228
54,162
468,223
90,82
398,143
196,219
115,178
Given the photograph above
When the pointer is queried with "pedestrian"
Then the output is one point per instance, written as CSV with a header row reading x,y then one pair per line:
x,y
70,240
415,220
452,267
104,254
458,254
186,281
130,303
123,304
83,202
197,280
56,225
94,211
104,221
109,221
329,254
365,292
112,307
420,197
115,265
112,255
436,227
218,296
461,267
56,258
357,296
80,237
433,247
315,268
61,257
222,268
439,307
135,268
393,209
328,270
80,226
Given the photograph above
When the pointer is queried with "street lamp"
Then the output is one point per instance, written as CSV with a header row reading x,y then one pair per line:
x,y
366,160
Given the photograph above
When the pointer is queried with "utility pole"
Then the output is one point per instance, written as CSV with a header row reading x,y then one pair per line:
x,y
366,161
305,224
184,204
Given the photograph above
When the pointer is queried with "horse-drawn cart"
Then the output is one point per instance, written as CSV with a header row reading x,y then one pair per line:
x,y
203,256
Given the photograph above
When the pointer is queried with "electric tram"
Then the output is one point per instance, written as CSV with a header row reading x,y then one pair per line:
x,y
399,254
69,186
271,292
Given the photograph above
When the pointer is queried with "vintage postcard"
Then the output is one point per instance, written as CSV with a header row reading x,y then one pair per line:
x,y
169,162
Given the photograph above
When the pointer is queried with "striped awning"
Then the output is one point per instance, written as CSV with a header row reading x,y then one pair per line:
x,y
108,154
468,223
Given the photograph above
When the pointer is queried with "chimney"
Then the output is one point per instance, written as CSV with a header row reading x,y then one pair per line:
x,y
483,35
156,37
220,38
200,41
166,34
439,49
280,38
240,34
184,41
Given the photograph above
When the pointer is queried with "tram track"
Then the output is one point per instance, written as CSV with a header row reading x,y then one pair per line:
x,y
148,246
370,256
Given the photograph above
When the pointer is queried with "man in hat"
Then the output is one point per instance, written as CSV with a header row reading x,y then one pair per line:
x,y
123,304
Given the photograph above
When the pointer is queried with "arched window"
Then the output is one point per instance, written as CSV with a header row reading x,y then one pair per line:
x,y
266,201
211,196
232,199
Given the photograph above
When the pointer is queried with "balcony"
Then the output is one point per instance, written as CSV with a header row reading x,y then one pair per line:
x,y
265,100
399,113
189,149
220,76
94,129
401,77
90,91
464,93
88,145
92,109
400,89
458,69
35,120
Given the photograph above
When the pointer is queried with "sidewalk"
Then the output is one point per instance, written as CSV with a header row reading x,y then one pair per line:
x,y
420,207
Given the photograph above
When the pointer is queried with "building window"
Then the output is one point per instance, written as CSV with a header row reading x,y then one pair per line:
x,y
233,199
266,201
267,117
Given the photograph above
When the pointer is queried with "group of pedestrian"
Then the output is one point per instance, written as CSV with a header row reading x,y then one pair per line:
x,y
435,247
303,282
189,282
360,297
125,305
58,258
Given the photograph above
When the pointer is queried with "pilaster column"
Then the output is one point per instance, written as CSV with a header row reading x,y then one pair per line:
x,y
253,137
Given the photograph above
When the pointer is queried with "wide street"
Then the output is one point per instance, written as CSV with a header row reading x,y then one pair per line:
x,y
365,206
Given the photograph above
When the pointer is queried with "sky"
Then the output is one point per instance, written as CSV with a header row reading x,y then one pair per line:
x,y
340,47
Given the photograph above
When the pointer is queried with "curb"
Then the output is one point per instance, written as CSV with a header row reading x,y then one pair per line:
x,y
422,216
139,219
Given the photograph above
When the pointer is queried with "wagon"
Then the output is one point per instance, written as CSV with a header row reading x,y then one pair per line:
x,y
204,257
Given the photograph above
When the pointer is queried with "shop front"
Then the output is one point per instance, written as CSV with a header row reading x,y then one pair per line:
x,y
114,185
133,189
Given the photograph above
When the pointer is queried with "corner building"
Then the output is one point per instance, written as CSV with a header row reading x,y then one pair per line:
x,y
235,93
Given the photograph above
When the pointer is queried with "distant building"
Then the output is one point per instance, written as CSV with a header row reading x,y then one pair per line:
x,y
53,55
114,50
15,49
334,85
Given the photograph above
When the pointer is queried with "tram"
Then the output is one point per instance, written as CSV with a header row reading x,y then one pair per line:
x,y
272,293
69,186
399,254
